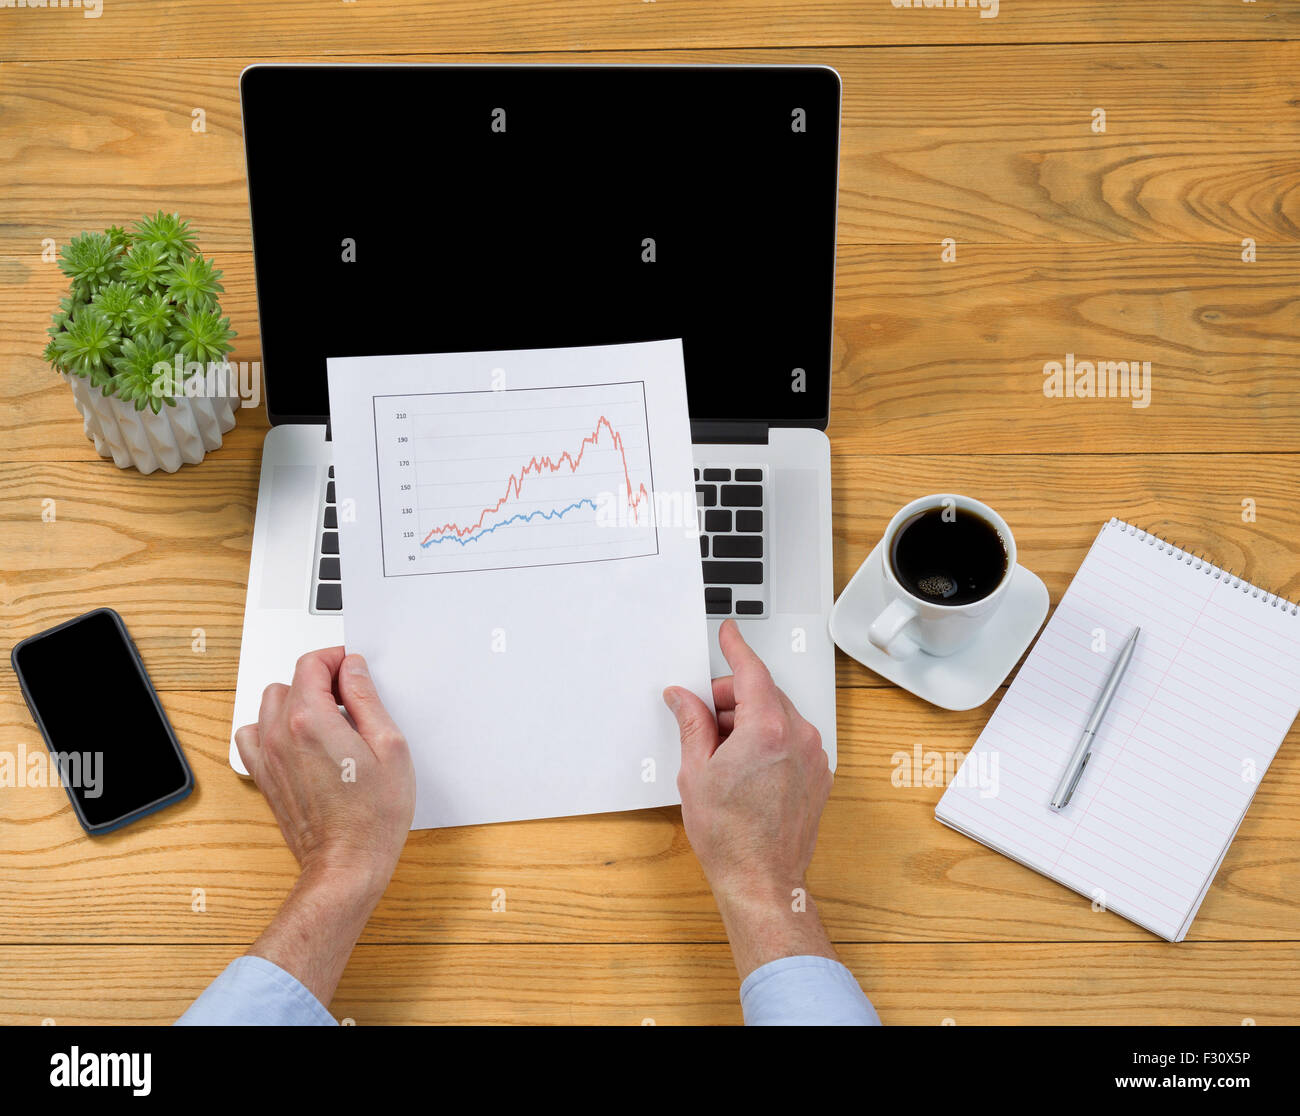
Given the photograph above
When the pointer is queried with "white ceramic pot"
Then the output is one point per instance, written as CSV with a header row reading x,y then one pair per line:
x,y
175,436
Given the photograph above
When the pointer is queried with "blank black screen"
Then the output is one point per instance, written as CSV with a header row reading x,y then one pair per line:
x,y
86,687
470,238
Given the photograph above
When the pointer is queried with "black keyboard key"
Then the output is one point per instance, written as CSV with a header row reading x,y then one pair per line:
x,y
329,493
749,474
738,546
749,608
717,474
329,542
733,573
329,598
717,602
332,517
697,474
717,521
742,495
329,569
331,472
704,546
706,495
749,521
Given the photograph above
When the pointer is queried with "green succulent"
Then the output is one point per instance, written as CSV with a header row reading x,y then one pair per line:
x,y
87,346
135,375
90,260
67,307
169,232
152,313
203,335
114,300
136,299
118,237
146,266
194,283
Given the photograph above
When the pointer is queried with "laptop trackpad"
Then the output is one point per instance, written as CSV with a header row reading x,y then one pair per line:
x,y
290,517
795,535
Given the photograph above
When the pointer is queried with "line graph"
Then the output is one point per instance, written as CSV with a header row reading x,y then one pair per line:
x,y
476,480
455,537
638,497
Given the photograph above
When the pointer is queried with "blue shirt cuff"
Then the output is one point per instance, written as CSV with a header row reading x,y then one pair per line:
x,y
255,992
805,991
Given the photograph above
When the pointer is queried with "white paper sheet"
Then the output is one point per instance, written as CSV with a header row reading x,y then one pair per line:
x,y
521,569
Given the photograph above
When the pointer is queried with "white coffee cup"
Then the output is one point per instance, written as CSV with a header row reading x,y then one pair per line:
x,y
909,623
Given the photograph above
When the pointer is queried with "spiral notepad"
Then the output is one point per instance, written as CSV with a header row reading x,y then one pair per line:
x,y
1211,693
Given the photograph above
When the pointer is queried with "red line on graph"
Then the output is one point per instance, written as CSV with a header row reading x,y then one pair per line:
x,y
537,464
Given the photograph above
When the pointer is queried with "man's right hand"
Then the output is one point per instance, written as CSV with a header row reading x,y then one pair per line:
x,y
753,784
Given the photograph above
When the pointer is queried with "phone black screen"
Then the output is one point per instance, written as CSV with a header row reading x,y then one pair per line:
x,y
91,696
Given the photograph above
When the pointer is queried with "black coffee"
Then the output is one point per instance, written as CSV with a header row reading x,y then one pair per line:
x,y
948,556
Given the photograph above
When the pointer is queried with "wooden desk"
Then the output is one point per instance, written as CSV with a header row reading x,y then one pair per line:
x,y
1119,245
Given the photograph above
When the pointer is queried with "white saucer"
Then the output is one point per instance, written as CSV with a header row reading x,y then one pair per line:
x,y
964,680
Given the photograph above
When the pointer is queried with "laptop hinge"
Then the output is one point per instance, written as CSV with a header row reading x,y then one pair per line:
x,y
712,430
329,430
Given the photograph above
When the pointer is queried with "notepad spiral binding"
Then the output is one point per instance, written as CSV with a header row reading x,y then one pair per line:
x,y
1199,562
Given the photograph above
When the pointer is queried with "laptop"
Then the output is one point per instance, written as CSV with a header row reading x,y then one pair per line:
x,y
432,208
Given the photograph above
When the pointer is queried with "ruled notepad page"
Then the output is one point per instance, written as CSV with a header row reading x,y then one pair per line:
x,y
1211,692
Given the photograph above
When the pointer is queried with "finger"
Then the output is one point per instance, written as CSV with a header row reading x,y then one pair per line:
x,y
248,742
724,693
753,683
361,700
698,729
314,675
726,723
273,699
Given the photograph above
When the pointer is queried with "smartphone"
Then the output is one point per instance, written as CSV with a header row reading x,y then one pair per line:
x,y
110,743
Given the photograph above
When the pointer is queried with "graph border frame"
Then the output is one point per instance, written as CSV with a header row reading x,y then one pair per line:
x,y
645,415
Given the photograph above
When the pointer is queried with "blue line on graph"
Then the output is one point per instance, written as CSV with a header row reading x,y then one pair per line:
x,y
554,514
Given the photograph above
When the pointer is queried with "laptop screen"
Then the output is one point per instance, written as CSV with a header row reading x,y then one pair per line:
x,y
412,209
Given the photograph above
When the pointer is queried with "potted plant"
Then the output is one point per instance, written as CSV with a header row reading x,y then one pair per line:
x,y
141,340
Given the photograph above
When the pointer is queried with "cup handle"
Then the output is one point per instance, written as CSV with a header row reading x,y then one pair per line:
x,y
886,631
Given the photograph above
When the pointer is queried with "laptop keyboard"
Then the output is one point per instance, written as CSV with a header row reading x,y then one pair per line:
x,y
732,508
327,593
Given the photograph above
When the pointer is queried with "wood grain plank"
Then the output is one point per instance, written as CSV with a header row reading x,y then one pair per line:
x,y
987,146
885,870
170,552
222,28
920,346
920,985
923,347
172,557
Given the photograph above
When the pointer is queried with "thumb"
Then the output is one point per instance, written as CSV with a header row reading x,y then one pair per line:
x,y
696,724
248,740
361,700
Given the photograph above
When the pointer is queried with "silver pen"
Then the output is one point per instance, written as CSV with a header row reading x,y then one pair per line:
x,y
1083,750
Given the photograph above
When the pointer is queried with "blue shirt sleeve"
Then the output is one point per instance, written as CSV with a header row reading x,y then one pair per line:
x,y
255,992
805,991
